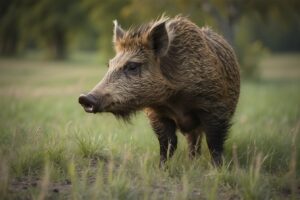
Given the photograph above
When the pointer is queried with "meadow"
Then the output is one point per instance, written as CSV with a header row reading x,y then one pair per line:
x,y
51,149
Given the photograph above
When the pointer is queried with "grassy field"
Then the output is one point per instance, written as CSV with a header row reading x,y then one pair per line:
x,y
50,148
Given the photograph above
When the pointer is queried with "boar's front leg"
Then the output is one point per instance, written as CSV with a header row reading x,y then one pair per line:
x,y
165,130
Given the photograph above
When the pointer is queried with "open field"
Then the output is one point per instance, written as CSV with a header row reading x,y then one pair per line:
x,y
50,148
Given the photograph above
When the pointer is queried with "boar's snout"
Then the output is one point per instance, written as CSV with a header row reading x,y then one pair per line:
x,y
89,103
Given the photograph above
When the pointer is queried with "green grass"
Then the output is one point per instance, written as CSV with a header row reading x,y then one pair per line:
x,y
50,148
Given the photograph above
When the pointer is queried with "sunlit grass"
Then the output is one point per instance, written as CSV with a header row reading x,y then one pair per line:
x,y
50,148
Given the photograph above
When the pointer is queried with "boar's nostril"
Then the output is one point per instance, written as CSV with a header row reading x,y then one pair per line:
x,y
88,102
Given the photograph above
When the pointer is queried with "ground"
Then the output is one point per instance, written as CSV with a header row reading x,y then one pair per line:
x,y
50,148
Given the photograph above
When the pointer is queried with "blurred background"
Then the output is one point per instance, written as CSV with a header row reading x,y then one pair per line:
x,y
53,50
82,29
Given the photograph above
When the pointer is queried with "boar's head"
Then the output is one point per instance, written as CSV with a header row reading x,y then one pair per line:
x,y
134,79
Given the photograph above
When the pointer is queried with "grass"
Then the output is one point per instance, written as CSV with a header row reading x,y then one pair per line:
x,y
50,148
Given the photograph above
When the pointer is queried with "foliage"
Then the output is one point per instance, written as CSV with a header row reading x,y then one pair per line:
x,y
250,51
9,27
51,22
56,26
101,14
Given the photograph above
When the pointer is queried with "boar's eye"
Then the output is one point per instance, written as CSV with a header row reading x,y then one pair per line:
x,y
132,68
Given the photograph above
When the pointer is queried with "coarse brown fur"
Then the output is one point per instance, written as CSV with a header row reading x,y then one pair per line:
x,y
187,78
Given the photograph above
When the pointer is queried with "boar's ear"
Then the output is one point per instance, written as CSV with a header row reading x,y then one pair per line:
x,y
159,39
118,31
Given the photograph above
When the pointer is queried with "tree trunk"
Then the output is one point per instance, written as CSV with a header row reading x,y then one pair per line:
x,y
9,42
59,44
227,28
225,23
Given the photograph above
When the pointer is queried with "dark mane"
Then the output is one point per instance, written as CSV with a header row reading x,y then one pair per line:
x,y
139,31
125,116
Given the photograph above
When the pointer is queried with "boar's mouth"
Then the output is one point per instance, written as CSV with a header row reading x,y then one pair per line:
x,y
89,103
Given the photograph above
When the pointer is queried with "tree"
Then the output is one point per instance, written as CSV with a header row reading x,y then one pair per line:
x,y
48,23
9,27
101,14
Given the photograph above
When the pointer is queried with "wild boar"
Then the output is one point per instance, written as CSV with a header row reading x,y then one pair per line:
x,y
183,76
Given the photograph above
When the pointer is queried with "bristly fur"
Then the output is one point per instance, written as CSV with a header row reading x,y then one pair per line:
x,y
142,30
125,116
188,79
137,35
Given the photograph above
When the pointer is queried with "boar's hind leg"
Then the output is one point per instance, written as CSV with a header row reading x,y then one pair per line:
x,y
194,139
216,132
165,130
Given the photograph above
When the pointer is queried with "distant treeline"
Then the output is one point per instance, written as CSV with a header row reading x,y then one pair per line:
x,y
56,26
